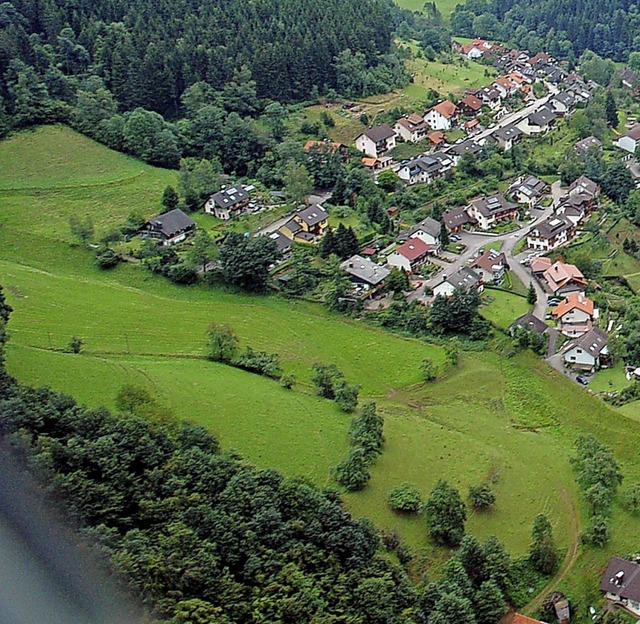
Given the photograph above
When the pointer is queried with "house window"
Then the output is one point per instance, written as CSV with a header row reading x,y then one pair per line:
x,y
579,350
573,358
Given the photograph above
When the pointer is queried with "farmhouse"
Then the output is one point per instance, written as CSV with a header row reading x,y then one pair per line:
x,y
490,266
465,278
575,314
442,116
365,273
563,279
489,211
587,353
428,231
228,203
409,256
550,234
411,128
528,190
376,141
629,140
169,228
621,584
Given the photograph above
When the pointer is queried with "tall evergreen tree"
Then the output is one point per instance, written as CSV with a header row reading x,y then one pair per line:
x,y
611,110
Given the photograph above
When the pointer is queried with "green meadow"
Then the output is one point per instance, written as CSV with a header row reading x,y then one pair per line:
x,y
510,422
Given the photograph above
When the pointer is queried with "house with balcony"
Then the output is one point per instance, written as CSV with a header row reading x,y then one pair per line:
x,y
374,142
487,212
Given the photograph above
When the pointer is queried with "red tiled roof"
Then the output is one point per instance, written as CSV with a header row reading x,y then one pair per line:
x,y
574,300
446,109
472,102
413,249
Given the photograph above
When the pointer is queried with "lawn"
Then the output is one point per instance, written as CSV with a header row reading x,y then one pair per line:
x,y
445,7
609,379
503,307
509,421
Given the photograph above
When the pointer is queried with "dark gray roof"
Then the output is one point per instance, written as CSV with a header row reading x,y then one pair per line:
x,y
307,237
530,186
456,217
282,242
228,198
507,133
593,342
365,270
587,184
428,225
494,204
542,118
564,97
530,322
293,226
313,214
622,578
551,227
380,133
588,143
468,146
464,278
173,222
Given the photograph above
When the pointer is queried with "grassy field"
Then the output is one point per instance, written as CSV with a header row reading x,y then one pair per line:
x,y
444,6
510,422
503,307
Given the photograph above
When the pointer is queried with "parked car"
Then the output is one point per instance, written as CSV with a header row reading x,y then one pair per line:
x,y
581,379
553,302
455,237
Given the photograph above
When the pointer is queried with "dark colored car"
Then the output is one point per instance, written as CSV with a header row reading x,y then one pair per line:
x,y
581,379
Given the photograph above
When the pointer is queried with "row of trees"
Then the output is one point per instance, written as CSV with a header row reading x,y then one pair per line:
x,y
366,440
598,475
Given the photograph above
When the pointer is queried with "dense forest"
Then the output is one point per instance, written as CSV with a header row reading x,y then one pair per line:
x,y
147,53
611,28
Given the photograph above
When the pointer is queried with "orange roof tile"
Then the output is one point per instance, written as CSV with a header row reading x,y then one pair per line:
x,y
446,109
573,301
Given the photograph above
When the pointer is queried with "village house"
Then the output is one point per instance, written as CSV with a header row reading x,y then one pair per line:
x,y
538,265
442,116
629,140
474,50
490,96
283,243
562,103
621,585
425,169
507,136
629,78
529,322
376,164
540,60
506,86
307,224
376,141
490,266
584,185
538,122
455,219
411,128
437,138
575,314
428,231
528,190
460,149
169,228
228,203
590,143
472,126
410,256
562,279
554,74
328,147
470,105
364,273
464,278
574,209
550,234
489,211
587,353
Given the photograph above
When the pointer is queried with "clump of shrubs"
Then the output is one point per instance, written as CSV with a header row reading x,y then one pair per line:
x,y
405,498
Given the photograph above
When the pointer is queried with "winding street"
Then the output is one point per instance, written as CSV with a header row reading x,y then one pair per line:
x,y
474,241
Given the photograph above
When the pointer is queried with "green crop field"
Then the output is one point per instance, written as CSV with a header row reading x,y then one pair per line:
x,y
507,421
